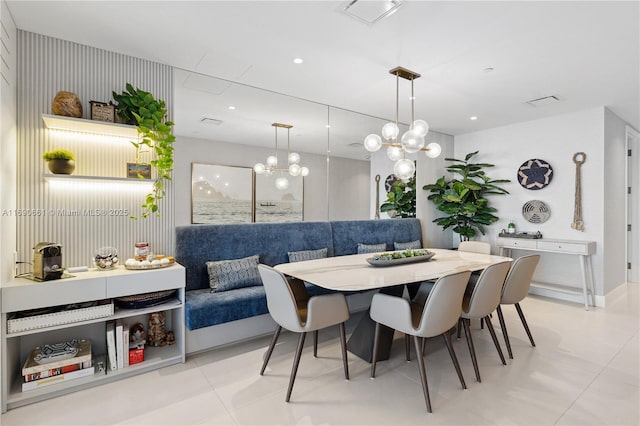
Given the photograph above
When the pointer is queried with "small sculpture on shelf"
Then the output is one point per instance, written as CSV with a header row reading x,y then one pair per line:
x,y
67,104
171,338
137,336
157,331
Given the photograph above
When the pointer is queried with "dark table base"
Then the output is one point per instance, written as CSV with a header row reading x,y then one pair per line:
x,y
361,341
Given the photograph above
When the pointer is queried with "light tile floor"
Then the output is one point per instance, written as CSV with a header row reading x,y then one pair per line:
x,y
584,371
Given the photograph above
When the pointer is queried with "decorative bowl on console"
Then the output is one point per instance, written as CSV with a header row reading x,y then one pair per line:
x,y
106,258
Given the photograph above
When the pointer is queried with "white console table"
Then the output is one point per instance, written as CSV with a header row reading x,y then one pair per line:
x,y
583,249
21,294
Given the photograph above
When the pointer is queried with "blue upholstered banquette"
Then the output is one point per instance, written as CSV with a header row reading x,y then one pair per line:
x,y
198,244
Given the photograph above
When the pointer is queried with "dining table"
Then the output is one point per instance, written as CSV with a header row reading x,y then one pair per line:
x,y
364,272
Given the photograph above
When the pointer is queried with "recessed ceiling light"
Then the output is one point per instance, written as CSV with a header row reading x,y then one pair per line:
x,y
473,118
298,60
232,107
327,126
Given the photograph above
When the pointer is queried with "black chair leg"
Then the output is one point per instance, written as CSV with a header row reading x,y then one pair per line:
x,y
296,362
423,372
375,350
267,356
459,327
407,347
472,350
343,343
524,322
315,344
447,340
503,327
487,321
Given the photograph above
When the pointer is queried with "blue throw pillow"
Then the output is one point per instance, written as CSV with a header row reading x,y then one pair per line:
x,y
231,274
299,256
407,246
371,248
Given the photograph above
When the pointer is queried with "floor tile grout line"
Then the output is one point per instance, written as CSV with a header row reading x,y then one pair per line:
x,y
588,386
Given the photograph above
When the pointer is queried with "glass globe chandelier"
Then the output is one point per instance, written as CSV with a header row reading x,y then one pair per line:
x,y
293,162
411,141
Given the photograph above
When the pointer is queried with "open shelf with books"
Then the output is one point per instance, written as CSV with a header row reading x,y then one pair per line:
x,y
24,295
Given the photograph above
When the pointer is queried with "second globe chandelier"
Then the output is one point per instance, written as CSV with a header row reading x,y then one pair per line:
x,y
293,160
413,140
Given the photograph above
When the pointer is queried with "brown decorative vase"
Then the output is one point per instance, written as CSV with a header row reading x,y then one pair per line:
x,y
60,166
67,104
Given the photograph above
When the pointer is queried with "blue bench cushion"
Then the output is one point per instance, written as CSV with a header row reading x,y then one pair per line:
x,y
348,233
203,308
198,244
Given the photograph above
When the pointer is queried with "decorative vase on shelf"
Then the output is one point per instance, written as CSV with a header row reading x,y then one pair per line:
x,y
60,166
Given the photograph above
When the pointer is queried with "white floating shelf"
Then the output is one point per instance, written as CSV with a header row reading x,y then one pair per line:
x,y
59,122
106,179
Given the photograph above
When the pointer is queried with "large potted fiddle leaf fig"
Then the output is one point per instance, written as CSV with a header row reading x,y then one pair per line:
x,y
463,198
154,131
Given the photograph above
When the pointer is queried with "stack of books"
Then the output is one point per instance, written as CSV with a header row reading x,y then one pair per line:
x,y
52,364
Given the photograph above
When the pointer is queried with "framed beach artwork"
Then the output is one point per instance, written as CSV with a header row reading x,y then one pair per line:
x,y
221,194
279,205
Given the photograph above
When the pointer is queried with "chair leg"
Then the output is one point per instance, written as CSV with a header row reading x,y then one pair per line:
x,y
447,340
503,327
524,322
267,356
343,343
472,350
487,321
423,372
296,362
407,347
315,344
459,327
375,350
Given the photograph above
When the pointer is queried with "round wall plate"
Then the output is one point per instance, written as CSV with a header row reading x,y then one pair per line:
x,y
389,181
535,174
536,211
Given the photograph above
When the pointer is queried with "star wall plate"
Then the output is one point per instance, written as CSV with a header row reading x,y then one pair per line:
x,y
389,181
535,174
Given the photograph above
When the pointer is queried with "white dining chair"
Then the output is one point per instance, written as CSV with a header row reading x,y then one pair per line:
x,y
516,288
484,299
301,316
436,317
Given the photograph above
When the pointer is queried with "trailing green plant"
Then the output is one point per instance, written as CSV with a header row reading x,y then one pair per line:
x,y
463,199
154,136
401,198
58,154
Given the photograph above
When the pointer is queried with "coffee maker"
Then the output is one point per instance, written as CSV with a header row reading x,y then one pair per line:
x,y
47,261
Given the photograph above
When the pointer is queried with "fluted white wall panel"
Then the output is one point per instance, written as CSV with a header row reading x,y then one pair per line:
x,y
80,215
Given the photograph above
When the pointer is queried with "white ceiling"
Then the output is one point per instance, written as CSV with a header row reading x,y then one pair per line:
x,y
587,53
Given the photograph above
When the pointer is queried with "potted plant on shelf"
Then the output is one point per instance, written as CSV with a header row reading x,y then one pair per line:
x,y
463,199
155,136
60,161
401,199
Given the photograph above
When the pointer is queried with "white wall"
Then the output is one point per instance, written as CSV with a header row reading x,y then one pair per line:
x,y
615,227
8,76
346,176
429,170
555,140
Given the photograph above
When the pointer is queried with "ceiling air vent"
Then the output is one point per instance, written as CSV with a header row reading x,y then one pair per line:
x,y
540,102
212,121
371,11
